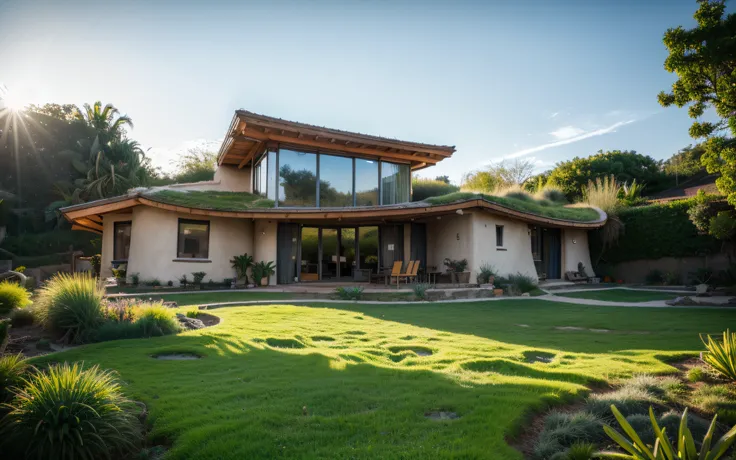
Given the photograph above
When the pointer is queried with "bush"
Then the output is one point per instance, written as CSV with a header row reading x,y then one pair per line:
x,y
349,293
711,399
634,396
655,277
456,266
71,304
420,290
721,355
552,194
522,283
135,279
422,189
193,313
562,430
21,317
154,282
112,330
671,278
4,334
70,412
13,295
156,320
12,370
696,374
198,277
485,271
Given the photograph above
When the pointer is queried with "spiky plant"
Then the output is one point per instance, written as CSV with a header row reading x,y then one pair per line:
x,y
603,194
13,295
154,320
721,355
71,304
12,370
70,413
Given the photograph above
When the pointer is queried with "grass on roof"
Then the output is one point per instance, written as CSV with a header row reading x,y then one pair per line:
x,y
529,205
358,381
212,199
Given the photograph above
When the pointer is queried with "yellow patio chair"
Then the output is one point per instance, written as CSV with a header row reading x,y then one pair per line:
x,y
408,273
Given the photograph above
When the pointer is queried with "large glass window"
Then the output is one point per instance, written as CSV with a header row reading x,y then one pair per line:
x,y
395,183
121,243
194,239
366,182
271,176
297,178
335,181
260,176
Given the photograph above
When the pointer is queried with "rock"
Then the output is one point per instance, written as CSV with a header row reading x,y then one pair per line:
x,y
685,300
525,294
170,304
189,323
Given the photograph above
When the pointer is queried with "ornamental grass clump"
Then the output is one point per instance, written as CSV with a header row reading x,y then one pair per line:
x,y
69,412
13,295
71,304
12,370
721,355
154,320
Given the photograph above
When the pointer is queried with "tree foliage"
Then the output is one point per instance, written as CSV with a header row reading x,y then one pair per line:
x,y
499,175
196,165
573,176
704,60
685,163
64,112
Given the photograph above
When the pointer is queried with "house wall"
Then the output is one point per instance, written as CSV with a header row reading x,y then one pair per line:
x,y
265,244
449,237
108,238
575,249
515,256
154,239
233,179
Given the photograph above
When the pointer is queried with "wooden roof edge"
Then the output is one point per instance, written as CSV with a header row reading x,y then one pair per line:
x,y
443,150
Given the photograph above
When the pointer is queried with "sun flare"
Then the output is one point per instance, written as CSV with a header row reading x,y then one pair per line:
x,y
11,100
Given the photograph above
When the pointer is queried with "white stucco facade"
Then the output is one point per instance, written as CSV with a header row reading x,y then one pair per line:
x,y
574,250
512,257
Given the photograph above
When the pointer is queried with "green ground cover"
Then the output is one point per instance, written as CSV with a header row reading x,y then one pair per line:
x,y
620,295
357,381
199,298
211,199
530,205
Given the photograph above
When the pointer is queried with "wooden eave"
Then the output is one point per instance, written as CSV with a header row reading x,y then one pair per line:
x,y
79,216
249,135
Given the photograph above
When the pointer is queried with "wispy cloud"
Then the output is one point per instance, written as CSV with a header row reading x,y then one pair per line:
x,y
566,132
554,114
570,140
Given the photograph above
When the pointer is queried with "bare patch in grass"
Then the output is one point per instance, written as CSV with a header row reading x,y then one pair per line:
x,y
417,349
284,343
534,356
322,338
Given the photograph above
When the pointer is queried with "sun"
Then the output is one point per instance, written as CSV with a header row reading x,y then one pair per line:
x,y
11,100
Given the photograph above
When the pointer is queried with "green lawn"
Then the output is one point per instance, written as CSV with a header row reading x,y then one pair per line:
x,y
356,384
200,298
620,295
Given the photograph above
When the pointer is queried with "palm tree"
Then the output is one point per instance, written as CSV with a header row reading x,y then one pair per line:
x,y
106,120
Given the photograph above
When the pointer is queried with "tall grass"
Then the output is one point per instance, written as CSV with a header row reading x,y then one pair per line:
x,y
603,194
156,320
13,295
12,370
425,188
71,304
70,413
721,355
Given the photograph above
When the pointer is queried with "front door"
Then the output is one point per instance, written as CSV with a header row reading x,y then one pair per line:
x,y
553,252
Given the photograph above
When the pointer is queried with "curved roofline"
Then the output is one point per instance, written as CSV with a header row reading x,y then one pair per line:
x,y
78,213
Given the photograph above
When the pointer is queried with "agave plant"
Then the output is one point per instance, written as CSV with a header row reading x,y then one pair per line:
x,y
663,449
721,355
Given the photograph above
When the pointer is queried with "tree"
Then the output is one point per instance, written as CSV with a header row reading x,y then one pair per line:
x,y
106,121
481,181
516,172
65,112
684,163
704,60
445,179
196,165
498,175
572,176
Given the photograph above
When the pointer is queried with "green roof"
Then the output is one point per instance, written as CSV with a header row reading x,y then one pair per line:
x,y
527,204
211,199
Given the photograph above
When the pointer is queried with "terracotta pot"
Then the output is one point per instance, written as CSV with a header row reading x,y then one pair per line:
x,y
264,281
463,277
498,292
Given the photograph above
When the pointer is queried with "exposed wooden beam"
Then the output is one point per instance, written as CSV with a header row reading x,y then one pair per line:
x,y
82,228
88,223
251,154
101,209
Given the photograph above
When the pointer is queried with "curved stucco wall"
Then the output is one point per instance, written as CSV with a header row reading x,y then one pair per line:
x,y
153,246
515,256
575,249
449,237
265,244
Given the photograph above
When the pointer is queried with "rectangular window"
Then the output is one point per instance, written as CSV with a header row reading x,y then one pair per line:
x,y
366,182
271,176
297,178
395,183
499,235
194,239
121,243
335,181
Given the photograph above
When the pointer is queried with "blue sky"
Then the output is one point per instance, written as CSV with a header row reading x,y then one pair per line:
x,y
535,79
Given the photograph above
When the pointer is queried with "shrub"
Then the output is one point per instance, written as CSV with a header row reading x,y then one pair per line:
x,y
721,355
154,282
655,277
349,293
696,374
522,283
183,281
671,278
723,226
43,344
685,447
711,399
169,283
562,430
241,264
70,412
71,304
635,395
519,195
580,451
112,330
198,277
456,266
13,295
21,317
420,290
4,334
135,279
193,313
552,194
485,271
12,370
120,274
156,320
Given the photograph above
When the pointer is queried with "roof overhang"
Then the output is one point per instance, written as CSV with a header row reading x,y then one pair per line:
x,y
90,213
250,134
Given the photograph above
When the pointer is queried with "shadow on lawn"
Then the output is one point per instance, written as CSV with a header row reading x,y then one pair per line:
x,y
243,401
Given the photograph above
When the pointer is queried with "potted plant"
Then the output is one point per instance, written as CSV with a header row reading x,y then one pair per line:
x,y
700,279
198,277
262,271
456,269
183,281
120,275
486,275
241,264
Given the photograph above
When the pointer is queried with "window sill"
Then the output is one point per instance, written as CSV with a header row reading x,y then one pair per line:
x,y
501,249
196,261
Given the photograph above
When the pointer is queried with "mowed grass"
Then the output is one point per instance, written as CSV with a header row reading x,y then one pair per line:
x,y
355,381
620,295
202,298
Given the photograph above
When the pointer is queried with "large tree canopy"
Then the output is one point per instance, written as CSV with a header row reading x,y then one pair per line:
x,y
626,166
704,60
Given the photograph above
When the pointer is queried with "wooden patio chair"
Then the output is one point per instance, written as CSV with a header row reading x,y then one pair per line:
x,y
407,274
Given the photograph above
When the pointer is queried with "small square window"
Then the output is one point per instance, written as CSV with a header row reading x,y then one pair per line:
x,y
194,239
499,235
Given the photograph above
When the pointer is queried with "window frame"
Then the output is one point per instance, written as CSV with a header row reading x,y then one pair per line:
x,y
115,240
179,233
499,232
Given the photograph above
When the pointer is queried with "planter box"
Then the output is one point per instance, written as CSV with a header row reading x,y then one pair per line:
x,y
460,278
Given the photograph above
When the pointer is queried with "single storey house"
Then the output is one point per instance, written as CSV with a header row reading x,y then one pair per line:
x,y
325,204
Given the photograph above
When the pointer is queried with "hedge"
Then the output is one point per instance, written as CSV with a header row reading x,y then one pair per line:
x,y
42,244
656,231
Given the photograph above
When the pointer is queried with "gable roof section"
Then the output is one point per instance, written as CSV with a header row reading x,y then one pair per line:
x,y
250,133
